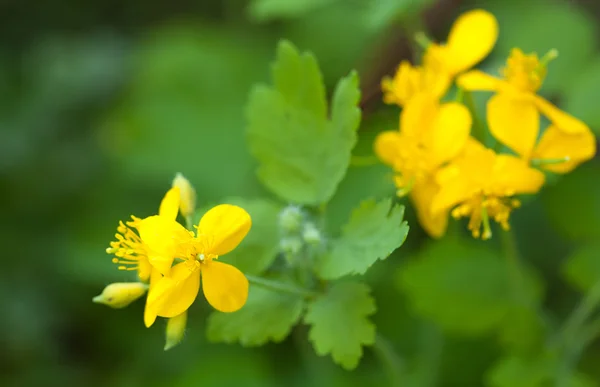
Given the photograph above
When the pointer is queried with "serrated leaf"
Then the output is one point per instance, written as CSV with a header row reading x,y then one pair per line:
x,y
302,154
582,268
463,287
260,247
267,316
373,232
264,10
339,323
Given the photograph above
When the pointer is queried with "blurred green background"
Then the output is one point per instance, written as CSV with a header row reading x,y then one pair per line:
x,y
102,102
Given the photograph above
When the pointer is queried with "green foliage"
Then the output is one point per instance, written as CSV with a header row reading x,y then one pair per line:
x,y
259,249
580,96
303,155
339,323
514,371
382,13
373,232
582,268
462,287
264,10
267,316
578,217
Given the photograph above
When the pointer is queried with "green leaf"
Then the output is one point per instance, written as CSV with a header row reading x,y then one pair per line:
x,y
267,316
373,232
339,323
573,206
462,286
303,155
260,247
265,10
582,268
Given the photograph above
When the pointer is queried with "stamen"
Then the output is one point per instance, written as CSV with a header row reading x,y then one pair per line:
x,y
487,230
549,56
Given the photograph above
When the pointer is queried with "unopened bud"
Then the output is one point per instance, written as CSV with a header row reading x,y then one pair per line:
x,y
187,193
121,294
291,245
290,218
311,234
175,330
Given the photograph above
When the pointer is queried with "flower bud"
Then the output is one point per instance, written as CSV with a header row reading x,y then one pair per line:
x,y
311,235
291,245
175,330
187,194
121,294
290,218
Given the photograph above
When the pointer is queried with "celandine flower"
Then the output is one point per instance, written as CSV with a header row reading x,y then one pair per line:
x,y
430,135
471,38
513,114
220,230
480,184
131,253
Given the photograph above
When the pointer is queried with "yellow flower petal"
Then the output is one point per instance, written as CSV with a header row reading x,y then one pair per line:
x,y
387,146
149,311
419,113
181,293
453,189
565,122
514,122
224,286
556,144
422,195
512,175
162,236
169,206
476,80
471,38
450,131
223,227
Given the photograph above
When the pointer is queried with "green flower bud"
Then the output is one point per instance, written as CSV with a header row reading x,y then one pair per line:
x,y
175,330
311,235
290,218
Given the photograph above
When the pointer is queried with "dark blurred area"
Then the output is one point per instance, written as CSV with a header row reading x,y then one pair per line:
x,y
102,102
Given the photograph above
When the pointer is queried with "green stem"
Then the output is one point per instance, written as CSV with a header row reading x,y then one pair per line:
x,y
572,342
189,223
390,359
281,286
479,131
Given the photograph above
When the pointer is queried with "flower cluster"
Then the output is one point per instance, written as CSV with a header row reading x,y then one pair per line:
x,y
441,166
170,260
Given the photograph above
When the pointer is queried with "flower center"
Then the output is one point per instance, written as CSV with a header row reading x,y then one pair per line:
x,y
481,209
129,250
527,72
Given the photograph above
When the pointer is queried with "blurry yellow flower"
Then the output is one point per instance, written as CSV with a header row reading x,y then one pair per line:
x,y
480,185
133,254
430,135
513,114
409,81
121,294
220,230
187,195
471,38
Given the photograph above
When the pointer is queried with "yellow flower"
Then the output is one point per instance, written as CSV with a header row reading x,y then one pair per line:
x,y
480,184
513,114
133,254
430,135
471,38
220,230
